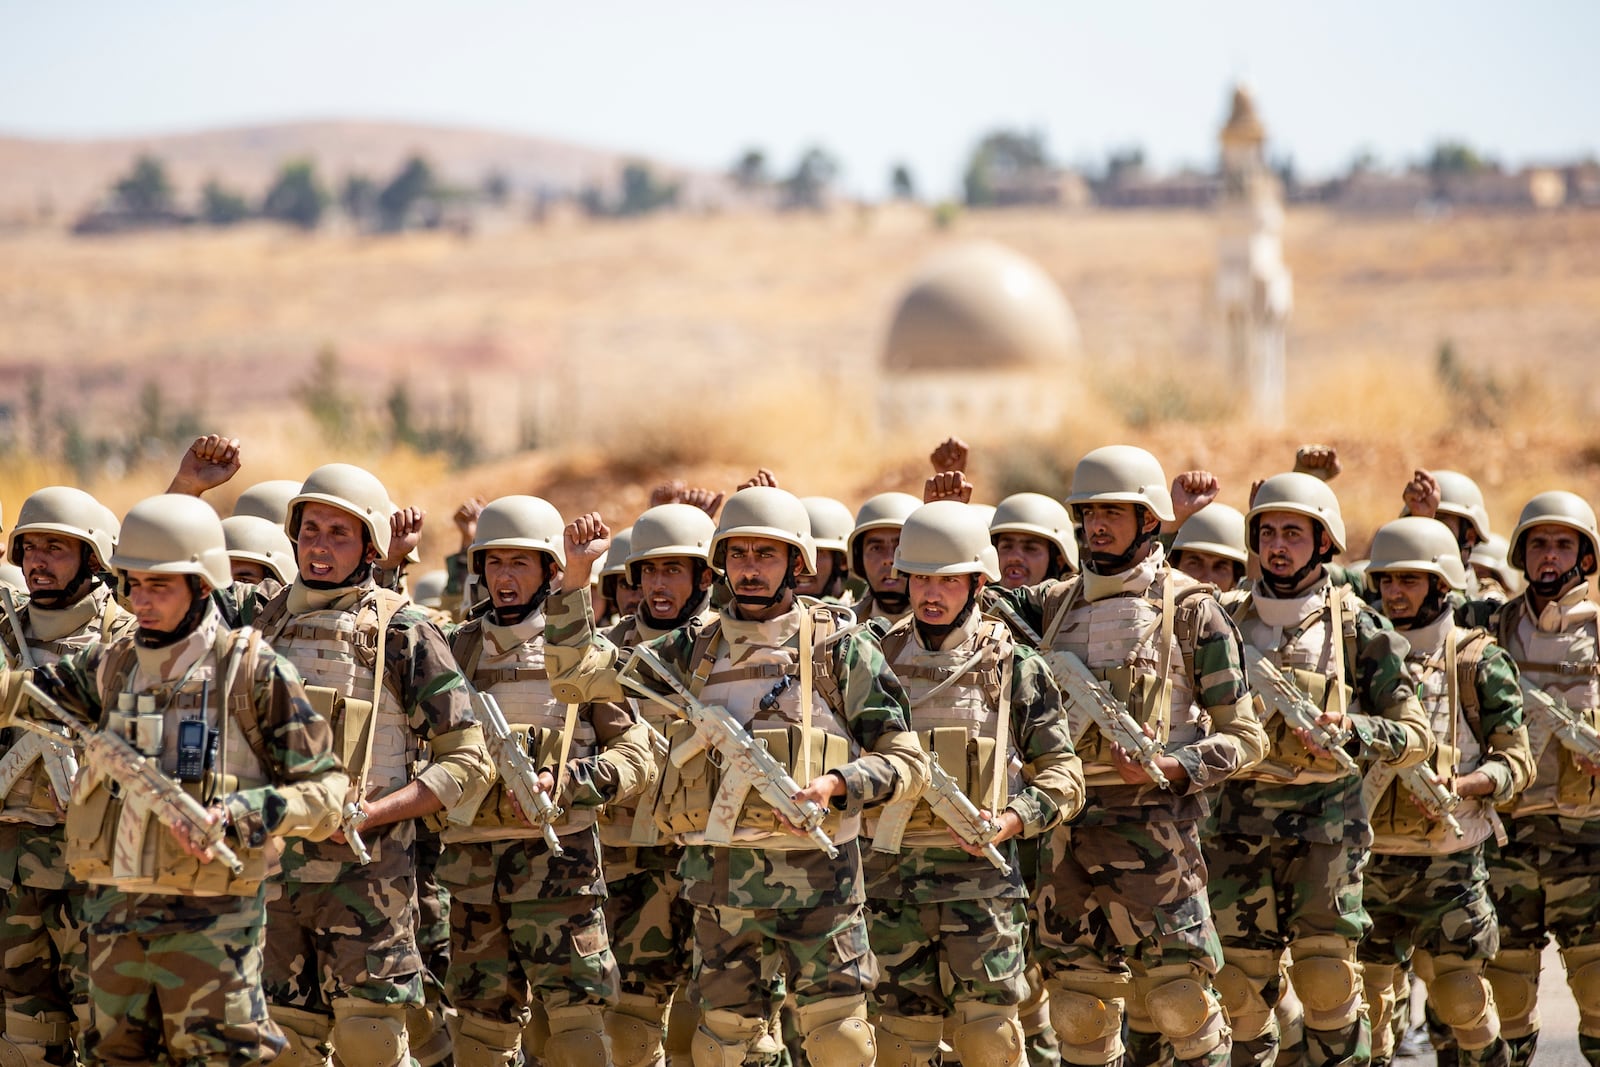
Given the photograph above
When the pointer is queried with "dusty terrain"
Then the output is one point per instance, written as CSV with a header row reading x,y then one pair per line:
x,y
702,346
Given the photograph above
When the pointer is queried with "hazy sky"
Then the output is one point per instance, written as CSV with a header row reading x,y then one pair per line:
x,y
875,82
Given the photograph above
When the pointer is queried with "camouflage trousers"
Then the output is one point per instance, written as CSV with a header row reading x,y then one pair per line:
x,y
652,931
1270,892
193,998
935,954
746,959
343,939
43,970
1121,901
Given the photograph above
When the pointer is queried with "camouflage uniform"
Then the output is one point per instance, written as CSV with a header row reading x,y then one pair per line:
x,y
1290,837
1545,881
1122,904
174,946
527,926
949,928
44,981
772,901
342,961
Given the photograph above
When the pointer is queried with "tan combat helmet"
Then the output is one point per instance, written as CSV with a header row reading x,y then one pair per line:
x,y
1413,543
173,534
831,523
1216,529
350,489
1557,508
429,589
1460,496
883,512
527,522
268,500
61,509
1121,474
946,537
1301,494
12,577
670,530
615,564
1491,553
766,511
1040,516
260,541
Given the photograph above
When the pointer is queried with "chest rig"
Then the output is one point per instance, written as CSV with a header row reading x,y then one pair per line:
x,y
508,662
960,702
35,774
775,678
1559,652
201,728
631,823
1312,640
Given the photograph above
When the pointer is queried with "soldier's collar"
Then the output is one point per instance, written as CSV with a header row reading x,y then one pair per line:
x,y
303,598
52,624
171,663
1429,638
505,638
1136,579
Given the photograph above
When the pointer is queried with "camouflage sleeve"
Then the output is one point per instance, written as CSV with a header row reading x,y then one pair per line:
x,y
1508,760
876,708
438,706
72,681
622,766
241,602
455,581
1394,728
1040,732
582,662
1237,740
1027,602
309,784
1346,577
1476,614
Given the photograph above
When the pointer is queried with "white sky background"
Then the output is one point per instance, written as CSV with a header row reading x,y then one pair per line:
x,y
873,82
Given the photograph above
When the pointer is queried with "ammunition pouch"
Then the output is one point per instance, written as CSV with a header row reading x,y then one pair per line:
x,y
495,811
1577,794
971,762
1287,755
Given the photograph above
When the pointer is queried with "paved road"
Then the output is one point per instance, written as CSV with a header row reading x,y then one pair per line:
x,y
1558,1038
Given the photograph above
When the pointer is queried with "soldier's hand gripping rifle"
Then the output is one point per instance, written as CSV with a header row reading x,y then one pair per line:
x,y
136,775
1434,795
1284,697
745,763
948,802
1086,692
517,771
59,760
1571,730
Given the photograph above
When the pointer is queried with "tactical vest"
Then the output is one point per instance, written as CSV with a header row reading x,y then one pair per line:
x,y
735,663
957,698
1139,643
631,823
25,778
1400,825
112,842
1565,662
516,678
1297,636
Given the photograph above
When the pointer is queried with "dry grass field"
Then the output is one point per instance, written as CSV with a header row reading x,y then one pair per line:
x,y
702,347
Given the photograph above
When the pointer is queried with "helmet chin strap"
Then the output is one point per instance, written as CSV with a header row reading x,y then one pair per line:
x,y
691,607
1557,585
762,603
1435,604
933,636
198,602
1104,563
1287,585
511,614
82,581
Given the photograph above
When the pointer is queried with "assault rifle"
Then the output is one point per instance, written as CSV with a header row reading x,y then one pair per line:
x,y
517,771
948,802
745,764
1435,796
60,762
136,776
1571,729
1087,692
1284,697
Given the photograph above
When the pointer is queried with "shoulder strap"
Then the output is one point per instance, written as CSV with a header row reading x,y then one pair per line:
x,y
1057,602
467,646
243,647
273,614
703,655
1469,653
1186,625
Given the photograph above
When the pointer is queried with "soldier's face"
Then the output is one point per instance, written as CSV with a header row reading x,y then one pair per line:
x,y
1024,559
1108,529
1549,551
938,598
669,583
1285,541
331,543
829,562
756,566
50,561
1465,533
159,601
1207,567
248,571
628,597
877,560
513,576
1403,592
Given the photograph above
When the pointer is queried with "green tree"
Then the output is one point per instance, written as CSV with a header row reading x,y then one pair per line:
x,y
642,193
1002,156
145,192
358,197
808,186
221,206
749,171
1455,157
297,196
411,186
902,186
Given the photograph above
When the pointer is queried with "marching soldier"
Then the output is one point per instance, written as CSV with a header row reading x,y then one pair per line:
x,y
948,925
1291,836
1210,548
871,546
1033,535
831,524
1125,926
63,540
342,963
173,933
822,702
527,927
258,549
1426,887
